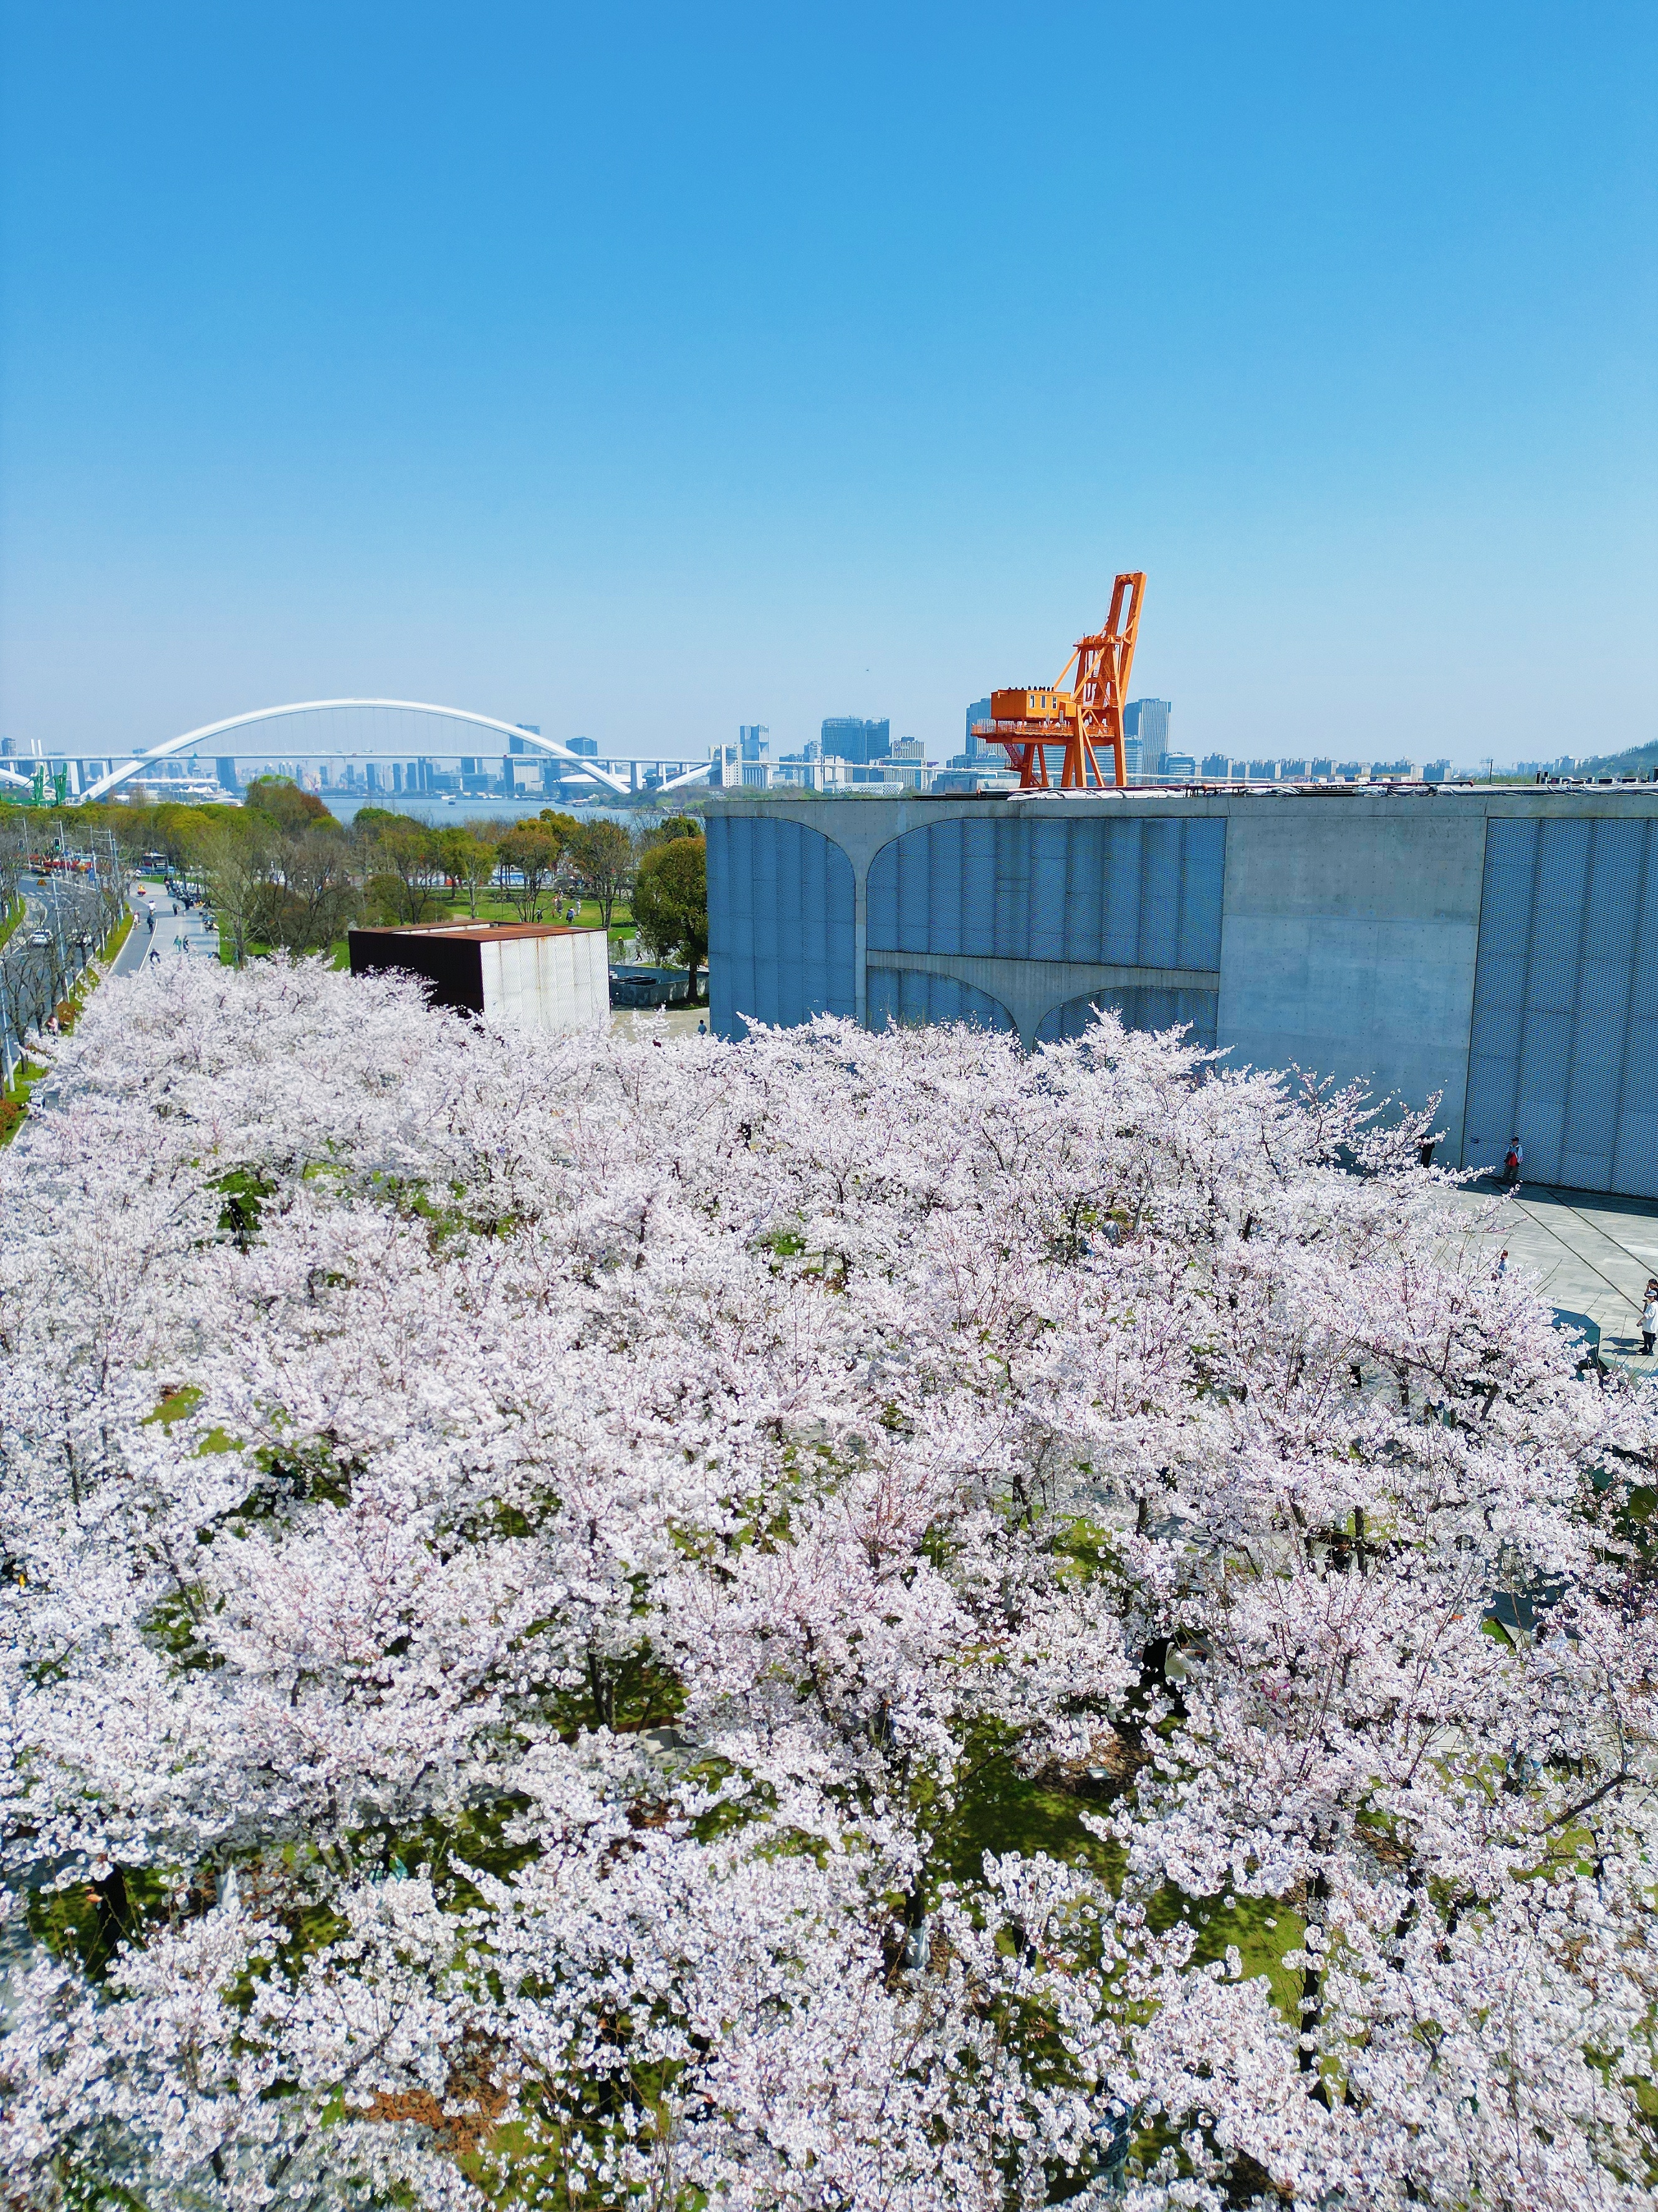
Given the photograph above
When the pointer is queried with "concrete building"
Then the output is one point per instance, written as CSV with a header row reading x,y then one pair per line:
x,y
532,975
1499,945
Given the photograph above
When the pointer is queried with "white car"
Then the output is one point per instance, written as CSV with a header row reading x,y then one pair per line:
x,y
39,937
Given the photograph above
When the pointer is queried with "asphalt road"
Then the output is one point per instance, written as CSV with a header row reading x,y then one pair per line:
x,y
64,905
176,936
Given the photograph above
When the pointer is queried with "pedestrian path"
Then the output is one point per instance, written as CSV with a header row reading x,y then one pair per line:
x,y
667,1021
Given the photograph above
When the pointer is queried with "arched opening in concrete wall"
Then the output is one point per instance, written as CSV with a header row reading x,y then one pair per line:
x,y
1564,1044
1145,1006
781,943
901,998
1021,886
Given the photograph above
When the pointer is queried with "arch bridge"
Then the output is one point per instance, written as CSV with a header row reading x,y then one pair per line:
x,y
363,742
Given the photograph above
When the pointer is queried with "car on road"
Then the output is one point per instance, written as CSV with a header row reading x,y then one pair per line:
x,y
39,937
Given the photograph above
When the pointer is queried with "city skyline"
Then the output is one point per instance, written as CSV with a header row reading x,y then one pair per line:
x,y
603,427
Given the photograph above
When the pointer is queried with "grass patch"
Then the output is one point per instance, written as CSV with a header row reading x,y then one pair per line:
x,y
1002,1810
456,909
15,1100
588,914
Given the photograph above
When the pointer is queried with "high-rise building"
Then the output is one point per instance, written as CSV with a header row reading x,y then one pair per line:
x,y
587,747
1218,765
983,751
752,738
846,738
1148,720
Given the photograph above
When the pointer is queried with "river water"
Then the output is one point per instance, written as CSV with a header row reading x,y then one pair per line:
x,y
440,815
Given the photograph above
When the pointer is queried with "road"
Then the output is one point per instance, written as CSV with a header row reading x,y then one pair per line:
x,y
67,907
176,936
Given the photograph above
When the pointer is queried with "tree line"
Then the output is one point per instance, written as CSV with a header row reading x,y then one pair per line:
x,y
283,873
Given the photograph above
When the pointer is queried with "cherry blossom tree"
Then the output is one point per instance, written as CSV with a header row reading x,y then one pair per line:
x,y
845,1620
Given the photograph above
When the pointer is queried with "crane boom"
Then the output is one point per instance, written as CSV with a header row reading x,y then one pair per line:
x,y
1085,718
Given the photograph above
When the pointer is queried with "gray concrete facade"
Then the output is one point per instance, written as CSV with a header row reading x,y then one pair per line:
x,y
1349,934
1338,931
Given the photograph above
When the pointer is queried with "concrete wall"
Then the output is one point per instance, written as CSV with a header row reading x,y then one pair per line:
x,y
1349,934
560,982
1342,933
1564,1047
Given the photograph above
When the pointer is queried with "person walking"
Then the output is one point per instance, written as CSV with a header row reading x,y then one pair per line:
x,y
1512,1160
1648,1323
1502,1267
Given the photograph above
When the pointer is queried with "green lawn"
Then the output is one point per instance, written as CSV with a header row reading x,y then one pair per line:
x,y
490,909
588,912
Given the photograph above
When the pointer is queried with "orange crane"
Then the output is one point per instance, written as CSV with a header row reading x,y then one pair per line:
x,y
1084,720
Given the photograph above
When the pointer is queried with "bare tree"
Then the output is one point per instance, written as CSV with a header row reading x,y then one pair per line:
x,y
528,857
402,865
602,855
237,862
319,892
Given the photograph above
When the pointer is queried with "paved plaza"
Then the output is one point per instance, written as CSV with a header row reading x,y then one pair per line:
x,y
1591,1254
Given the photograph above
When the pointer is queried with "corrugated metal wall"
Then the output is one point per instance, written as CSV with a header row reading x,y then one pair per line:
x,y
1565,1046
1146,1008
779,924
1022,885
898,995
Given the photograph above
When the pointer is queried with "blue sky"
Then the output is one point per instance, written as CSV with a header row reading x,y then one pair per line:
x,y
640,371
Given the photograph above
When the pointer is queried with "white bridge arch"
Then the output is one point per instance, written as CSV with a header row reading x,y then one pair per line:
x,y
193,740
